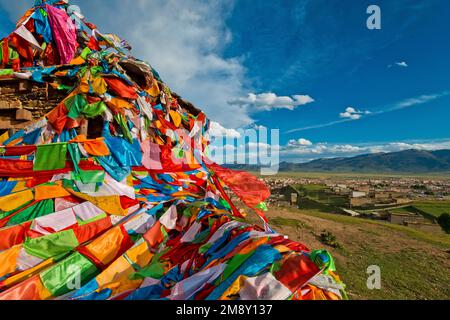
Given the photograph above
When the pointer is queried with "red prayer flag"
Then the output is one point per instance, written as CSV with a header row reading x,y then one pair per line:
x,y
247,187
121,89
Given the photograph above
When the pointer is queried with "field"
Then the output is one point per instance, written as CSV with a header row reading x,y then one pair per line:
x,y
414,265
433,208
316,192
430,209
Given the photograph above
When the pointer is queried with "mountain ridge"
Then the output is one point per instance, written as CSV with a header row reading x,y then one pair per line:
x,y
407,161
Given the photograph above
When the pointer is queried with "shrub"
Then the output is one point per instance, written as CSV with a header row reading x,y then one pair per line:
x,y
444,222
329,239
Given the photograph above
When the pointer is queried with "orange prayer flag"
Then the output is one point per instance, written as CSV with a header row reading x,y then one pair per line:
x,y
154,236
45,192
96,147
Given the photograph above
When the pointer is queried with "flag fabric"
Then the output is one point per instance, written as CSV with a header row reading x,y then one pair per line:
x,y
64,33
50,157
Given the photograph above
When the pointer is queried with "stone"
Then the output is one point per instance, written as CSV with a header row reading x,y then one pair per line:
x,y
5,124
7,90
25,115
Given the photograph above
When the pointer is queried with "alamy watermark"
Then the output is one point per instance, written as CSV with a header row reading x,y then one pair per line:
x,y
374,279
257,148
374,20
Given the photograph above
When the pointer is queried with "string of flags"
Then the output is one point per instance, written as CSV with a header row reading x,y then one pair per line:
x,y
138,212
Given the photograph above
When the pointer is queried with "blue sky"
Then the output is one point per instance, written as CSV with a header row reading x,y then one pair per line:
x,y
351,90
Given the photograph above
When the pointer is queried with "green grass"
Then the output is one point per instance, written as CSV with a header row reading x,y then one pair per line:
x,y
441,240
312,187
405,210
312,204
318,193
434,208
408,274
286,222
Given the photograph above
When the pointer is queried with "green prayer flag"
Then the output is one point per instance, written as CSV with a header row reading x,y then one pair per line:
x,y
85,53
178,152
50,157
204,248
94,110
89,176
6,72
40,209
94,219
235,263
94,176
4,214
224,203
75,155
51,245
12,54
121,120
262,206
68,275
323,260
154,270
75,104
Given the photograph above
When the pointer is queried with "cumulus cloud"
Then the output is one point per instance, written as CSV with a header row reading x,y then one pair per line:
x,y
270,101
402,64
299,143
217,130
402,146
320,149
353,114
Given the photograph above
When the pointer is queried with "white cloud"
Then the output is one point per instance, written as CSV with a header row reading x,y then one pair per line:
x,y
299,143
418,100
270,101
320,149
402,146
402,64
217,130
353,114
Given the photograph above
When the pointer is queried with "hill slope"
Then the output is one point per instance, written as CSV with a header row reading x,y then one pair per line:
x,y
365,243
404,161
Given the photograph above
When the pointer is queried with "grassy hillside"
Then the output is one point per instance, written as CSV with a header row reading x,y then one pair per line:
x,y
414,265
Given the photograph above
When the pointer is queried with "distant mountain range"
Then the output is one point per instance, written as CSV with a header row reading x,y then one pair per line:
x,y
409,161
